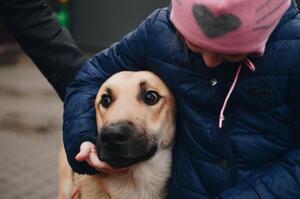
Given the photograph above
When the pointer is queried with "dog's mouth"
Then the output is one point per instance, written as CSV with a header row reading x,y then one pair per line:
x,y
122,145
124,162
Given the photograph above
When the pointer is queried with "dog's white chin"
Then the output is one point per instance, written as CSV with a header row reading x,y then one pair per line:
x,y
125,171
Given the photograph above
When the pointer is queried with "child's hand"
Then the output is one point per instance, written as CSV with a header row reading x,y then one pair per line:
x,y
88,153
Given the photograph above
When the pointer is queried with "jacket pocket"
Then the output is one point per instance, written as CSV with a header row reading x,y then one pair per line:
x,y
260,92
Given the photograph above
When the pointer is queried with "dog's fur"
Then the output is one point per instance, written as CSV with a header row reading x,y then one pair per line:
x,y
147,149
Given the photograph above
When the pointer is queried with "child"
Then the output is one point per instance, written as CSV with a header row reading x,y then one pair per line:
x,y
233,66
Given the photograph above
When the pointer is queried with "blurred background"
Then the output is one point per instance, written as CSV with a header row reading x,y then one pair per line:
x,y
31,112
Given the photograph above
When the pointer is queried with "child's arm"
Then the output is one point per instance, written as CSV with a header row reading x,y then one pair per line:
x,y
88,153
50,46
79,115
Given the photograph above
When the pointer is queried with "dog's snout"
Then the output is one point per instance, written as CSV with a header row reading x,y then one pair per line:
x,y
116,134
114,137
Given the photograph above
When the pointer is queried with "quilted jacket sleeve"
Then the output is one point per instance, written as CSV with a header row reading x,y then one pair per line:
x,y
282,180
50,46
79,115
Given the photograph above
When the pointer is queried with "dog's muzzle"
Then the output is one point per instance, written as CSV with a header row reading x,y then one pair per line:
x,y
122,144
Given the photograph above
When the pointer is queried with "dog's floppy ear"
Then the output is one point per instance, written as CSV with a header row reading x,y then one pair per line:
x,y
168,130
97,108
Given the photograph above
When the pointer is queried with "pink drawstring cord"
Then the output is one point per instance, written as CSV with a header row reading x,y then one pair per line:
x,y
251,66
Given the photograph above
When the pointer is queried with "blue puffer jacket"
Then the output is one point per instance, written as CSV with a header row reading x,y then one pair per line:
x,y
257,152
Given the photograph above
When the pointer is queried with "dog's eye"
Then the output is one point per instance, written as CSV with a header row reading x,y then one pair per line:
x,y
105,100
151,97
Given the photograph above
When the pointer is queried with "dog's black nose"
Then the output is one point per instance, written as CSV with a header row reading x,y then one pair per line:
x,y
116,134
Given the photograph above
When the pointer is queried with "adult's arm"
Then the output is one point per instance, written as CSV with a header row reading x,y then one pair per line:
x,y
51,47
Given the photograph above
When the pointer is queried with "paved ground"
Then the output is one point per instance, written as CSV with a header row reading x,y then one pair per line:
x,y
30,133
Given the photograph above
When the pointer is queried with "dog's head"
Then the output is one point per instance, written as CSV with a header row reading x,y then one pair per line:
x,y
135,118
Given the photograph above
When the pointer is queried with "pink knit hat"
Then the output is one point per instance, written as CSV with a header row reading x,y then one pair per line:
x,y
228,26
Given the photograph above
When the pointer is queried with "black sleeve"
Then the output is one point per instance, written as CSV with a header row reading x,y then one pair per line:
x,y
50,46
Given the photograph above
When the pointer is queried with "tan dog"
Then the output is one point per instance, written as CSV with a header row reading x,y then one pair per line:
x,y
136,126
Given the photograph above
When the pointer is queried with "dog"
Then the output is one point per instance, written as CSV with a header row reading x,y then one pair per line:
x,y
135,114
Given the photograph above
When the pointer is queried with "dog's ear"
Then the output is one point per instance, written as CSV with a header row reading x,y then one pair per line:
x,y
169,128
97,109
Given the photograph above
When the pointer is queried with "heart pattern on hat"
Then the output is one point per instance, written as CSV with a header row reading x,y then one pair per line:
x,y
215,26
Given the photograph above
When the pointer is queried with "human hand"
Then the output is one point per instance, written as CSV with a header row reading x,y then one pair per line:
x,y
88,153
